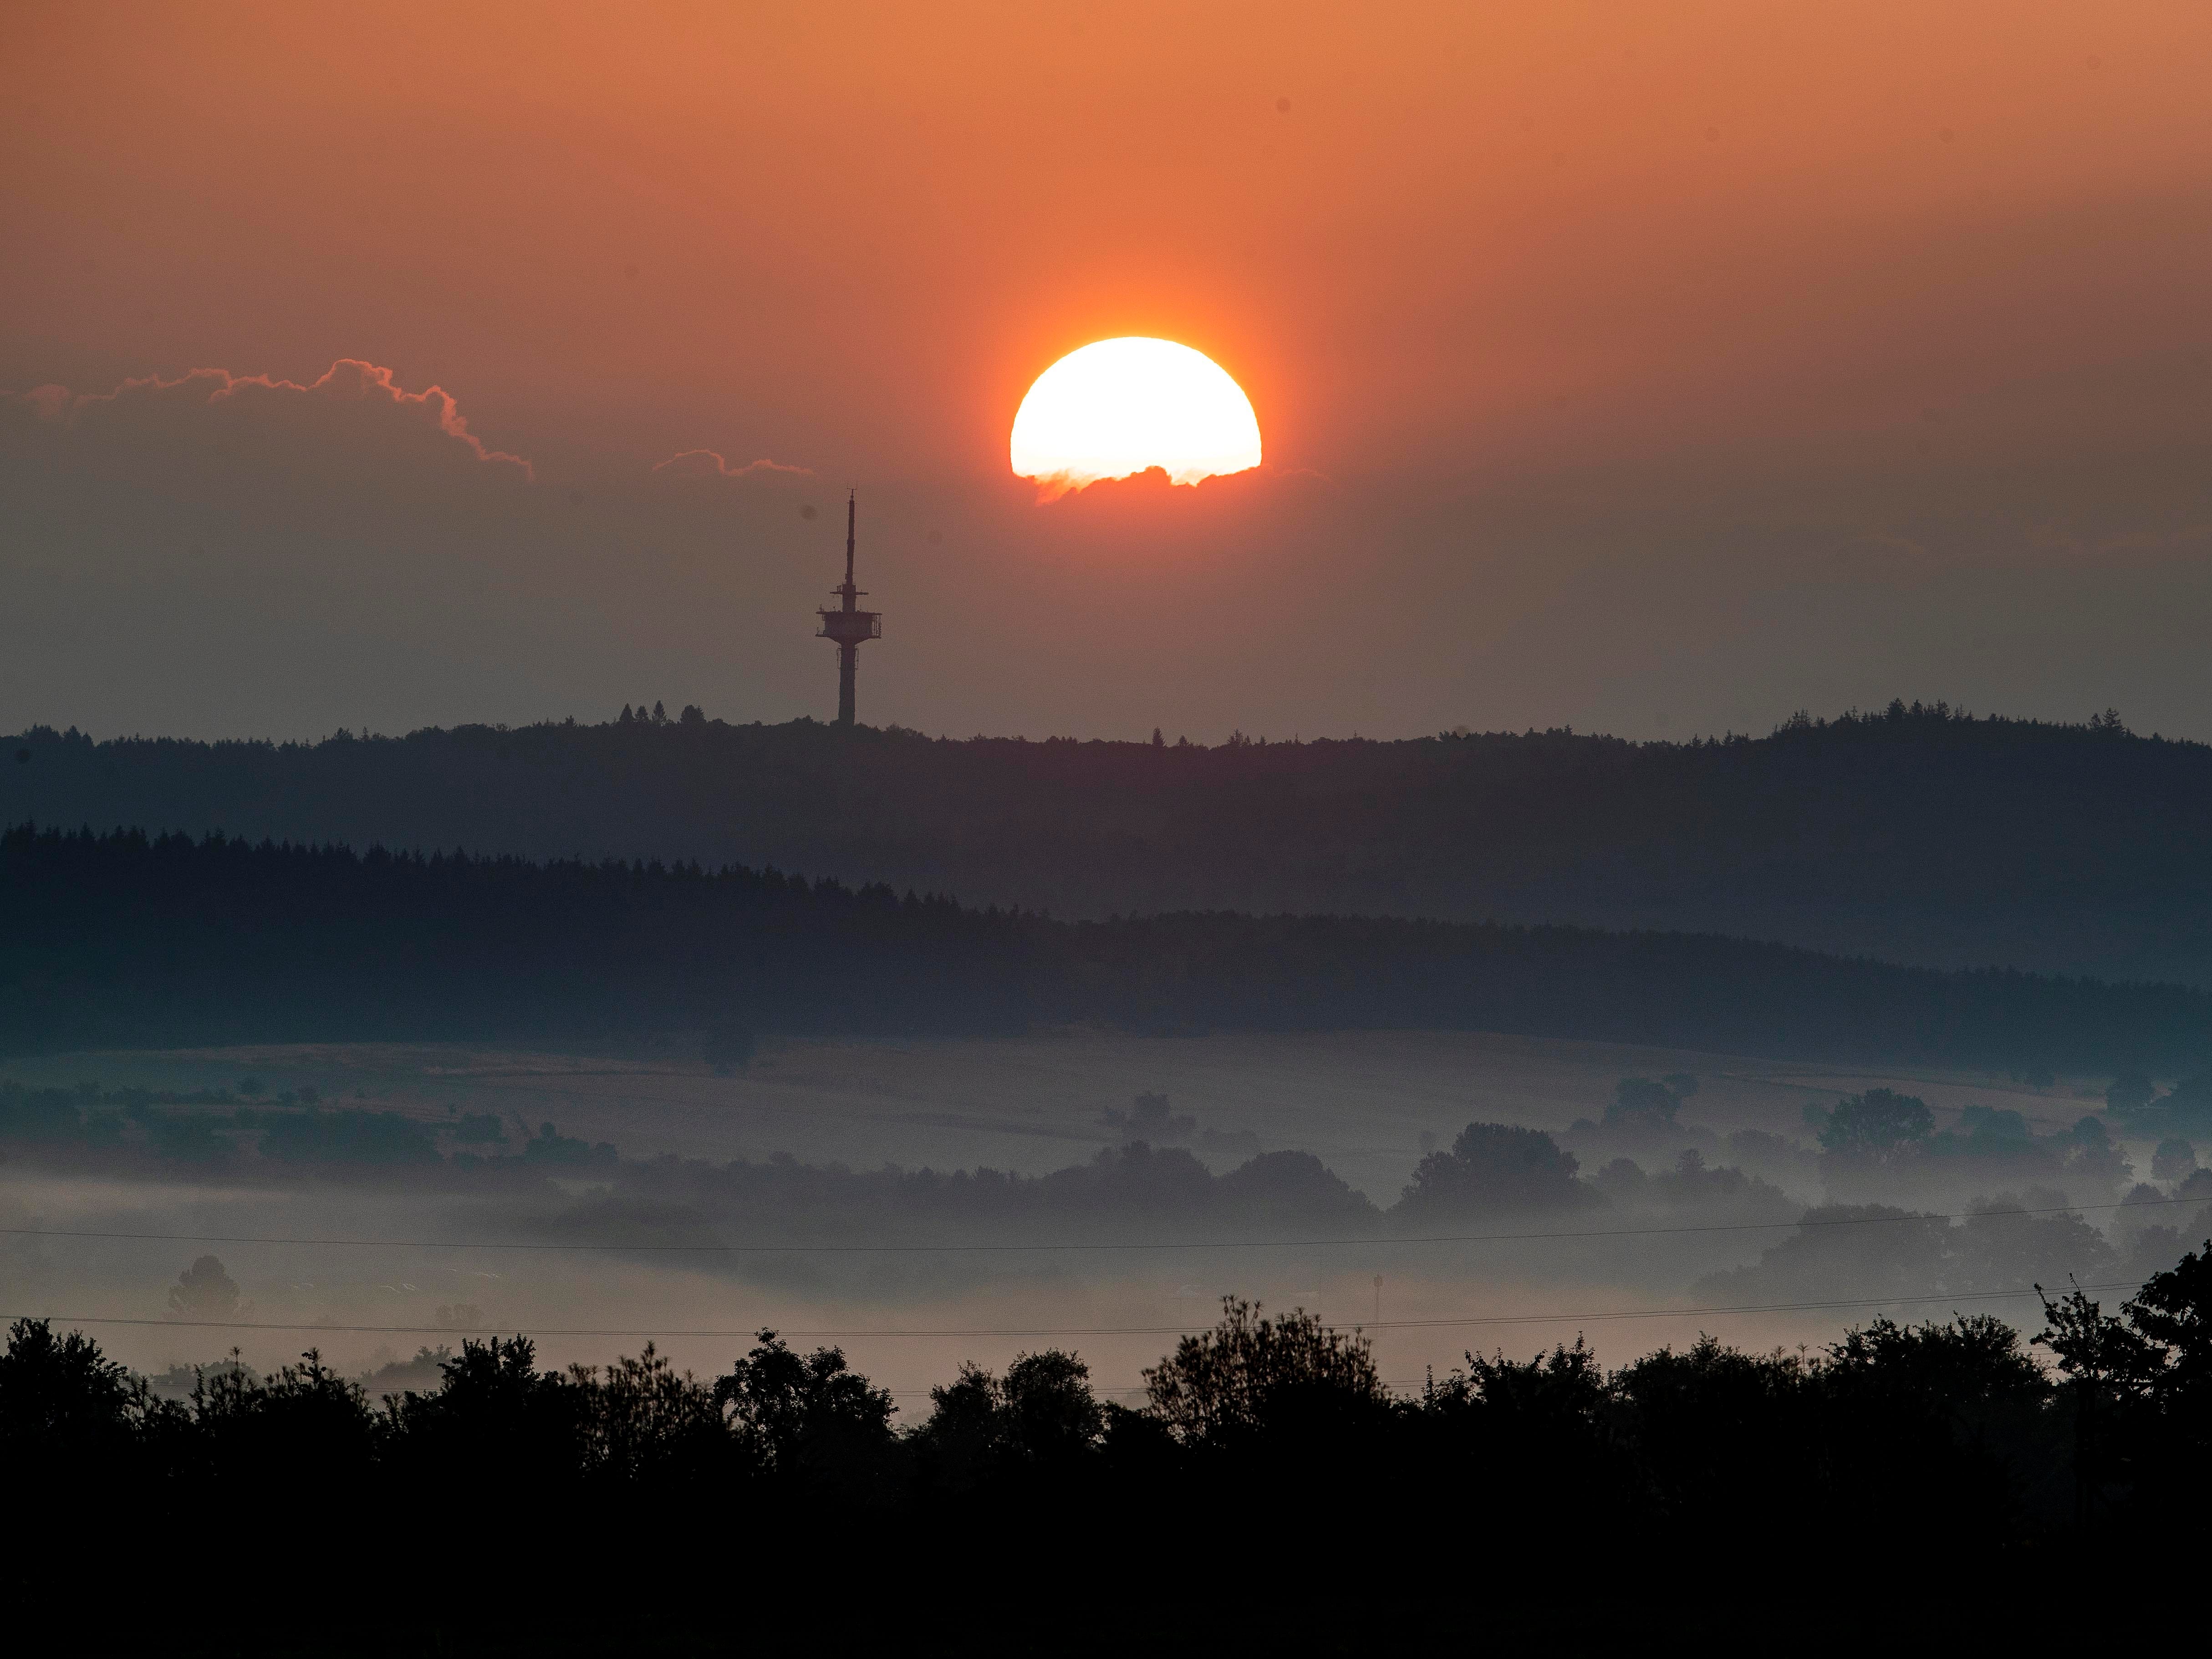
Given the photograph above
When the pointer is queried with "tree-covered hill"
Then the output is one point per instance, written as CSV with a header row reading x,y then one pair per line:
x,y
1913,835
126,941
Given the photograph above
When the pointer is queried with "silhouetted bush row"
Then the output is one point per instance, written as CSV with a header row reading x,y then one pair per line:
x,y
127,940
1948,1437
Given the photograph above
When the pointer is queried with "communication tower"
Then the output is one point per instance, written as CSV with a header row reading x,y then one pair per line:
x,y
848,625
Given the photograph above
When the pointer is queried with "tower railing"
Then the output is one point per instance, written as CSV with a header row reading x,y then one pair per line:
x,y
848,624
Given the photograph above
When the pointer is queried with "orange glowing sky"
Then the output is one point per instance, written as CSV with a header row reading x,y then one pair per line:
x,y
1697,360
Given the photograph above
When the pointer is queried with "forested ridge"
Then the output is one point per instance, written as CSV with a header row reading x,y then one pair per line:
x,y
1914,833
122,939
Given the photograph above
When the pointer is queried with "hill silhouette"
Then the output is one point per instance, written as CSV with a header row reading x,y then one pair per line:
x,y
122,940
1916,834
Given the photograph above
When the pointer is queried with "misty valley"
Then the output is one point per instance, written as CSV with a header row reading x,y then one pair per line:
x,y
769,1206
1762,1185
670,1274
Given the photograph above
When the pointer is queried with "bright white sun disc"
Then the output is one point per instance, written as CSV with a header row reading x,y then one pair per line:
x,y
1119,406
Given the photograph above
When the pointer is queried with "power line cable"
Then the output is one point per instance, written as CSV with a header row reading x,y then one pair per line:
x,y
1062,1330
1176,1244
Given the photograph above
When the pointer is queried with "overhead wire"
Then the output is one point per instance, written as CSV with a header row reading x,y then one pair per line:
x,y
1586,1316
911,1248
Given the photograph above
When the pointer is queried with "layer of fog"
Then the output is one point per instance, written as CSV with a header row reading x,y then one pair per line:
x,y
1676,1184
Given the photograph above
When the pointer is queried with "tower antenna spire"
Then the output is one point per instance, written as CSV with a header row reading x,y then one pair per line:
x,y
848,624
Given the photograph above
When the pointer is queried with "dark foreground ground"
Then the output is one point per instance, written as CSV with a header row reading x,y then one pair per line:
x,y
1270,1495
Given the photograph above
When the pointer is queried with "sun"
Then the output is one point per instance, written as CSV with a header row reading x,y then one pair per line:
x,y
1119,406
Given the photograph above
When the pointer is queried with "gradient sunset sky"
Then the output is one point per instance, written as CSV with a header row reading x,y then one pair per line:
x,y
1656,368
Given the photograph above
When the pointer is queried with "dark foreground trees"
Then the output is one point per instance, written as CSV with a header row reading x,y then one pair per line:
x,y
639,1503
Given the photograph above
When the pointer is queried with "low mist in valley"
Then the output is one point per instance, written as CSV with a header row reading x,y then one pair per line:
x,y
921,1204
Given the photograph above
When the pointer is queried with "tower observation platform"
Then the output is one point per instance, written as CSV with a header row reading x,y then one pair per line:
x,y
848,625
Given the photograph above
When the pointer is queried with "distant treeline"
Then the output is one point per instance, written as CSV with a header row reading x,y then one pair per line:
x,y
773,1212
513,1498
1911,834
123,940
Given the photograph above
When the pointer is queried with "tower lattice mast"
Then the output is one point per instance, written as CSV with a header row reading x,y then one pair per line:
x,y
848,624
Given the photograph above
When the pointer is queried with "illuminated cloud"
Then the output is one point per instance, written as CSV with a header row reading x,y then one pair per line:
x,y
261,400
709,464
